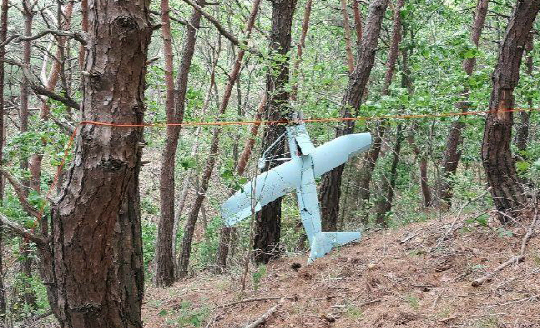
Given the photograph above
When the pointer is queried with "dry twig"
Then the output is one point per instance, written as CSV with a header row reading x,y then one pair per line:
x,y
262,319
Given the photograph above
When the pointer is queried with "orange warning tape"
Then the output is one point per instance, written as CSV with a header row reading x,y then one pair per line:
x,y
313,120
227,123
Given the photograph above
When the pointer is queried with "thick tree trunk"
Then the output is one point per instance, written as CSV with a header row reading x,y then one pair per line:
x,y
93,268
452,153
268,221
183,261
331,181
3,36
497,157
175,113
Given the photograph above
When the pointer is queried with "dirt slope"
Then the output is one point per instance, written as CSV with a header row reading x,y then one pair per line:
x,y
395,278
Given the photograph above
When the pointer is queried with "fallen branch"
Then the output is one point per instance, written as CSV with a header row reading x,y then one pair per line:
x,y
19,191
451,229
487,277
262,319
259,299
514,259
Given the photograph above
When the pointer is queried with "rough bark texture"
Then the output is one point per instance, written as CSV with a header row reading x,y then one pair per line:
x,y
175,106
268,222
497,157
452,153
522,130
331,181
93,267
3,36
347,34
371,158
357,23
183,261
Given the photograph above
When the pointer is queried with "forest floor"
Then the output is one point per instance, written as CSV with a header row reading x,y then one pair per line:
x,y
406,277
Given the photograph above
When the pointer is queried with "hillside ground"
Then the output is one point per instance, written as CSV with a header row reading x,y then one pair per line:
x,y
406,277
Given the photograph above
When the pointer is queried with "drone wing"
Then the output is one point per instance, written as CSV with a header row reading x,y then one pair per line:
x,y
263,189
338,151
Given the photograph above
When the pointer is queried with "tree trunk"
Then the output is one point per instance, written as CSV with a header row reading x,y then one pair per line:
x,y
93,268
384,203
3,36
183,261
522,131
357,23
268,221
50,85
347,32
497,157
300,49
175,113
225,237
452,153
28,294
331,181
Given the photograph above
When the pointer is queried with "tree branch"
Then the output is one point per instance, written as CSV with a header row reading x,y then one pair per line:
x,y
40,89
19,190
18,229
18,38
221,29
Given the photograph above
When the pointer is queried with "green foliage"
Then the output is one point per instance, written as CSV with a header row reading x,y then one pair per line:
x,y
257,276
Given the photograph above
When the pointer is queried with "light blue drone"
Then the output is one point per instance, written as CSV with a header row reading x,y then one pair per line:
x,y
306,164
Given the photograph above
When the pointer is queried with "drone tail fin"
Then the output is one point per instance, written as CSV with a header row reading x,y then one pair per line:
x,y
323,242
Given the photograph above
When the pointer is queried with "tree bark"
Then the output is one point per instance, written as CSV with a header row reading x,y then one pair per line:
x,y
357,23
183,261
522,131
371,158
93,267
300,48
331,181
175,106
497,157
452,153
347,32
268,221
384,203
3,37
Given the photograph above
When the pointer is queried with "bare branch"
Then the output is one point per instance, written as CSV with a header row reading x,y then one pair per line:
x,y
221,29
19,190
41,90
18,38
18,229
